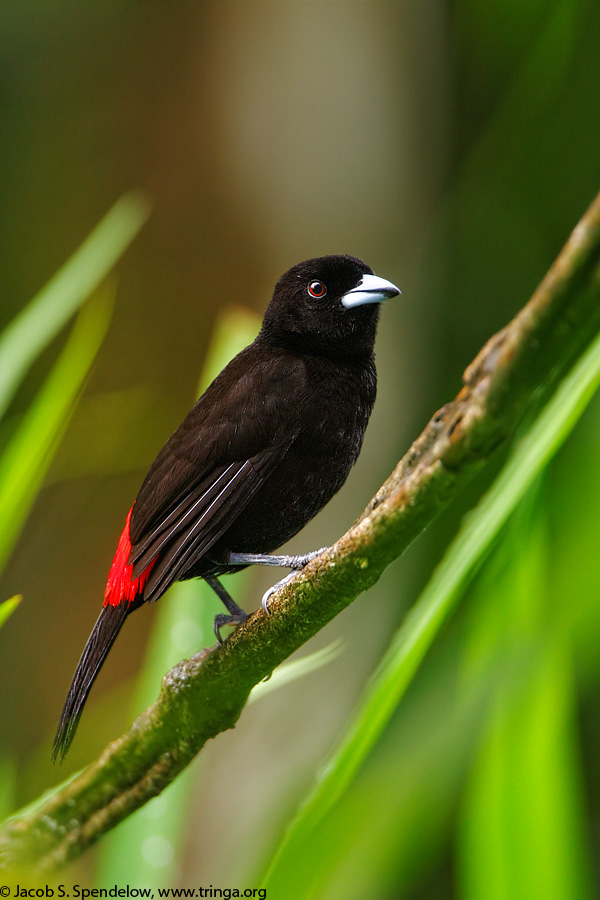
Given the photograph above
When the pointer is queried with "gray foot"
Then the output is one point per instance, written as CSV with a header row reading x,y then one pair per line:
x,y
267,559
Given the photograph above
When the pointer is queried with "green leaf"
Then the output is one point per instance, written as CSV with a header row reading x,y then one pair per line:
x,y
25,459
295,669
523,831
8,607
523,825
41,320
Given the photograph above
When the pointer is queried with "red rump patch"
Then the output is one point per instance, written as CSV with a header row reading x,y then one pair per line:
x,y
120,586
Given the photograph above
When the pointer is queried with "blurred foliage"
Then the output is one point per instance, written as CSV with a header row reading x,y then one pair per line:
x,y
451,145
7,608
552,787
33,438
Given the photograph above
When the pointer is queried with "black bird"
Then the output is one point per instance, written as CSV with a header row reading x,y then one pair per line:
x,y
267,445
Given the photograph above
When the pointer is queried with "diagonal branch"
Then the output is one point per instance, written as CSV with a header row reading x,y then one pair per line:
x,y
205,695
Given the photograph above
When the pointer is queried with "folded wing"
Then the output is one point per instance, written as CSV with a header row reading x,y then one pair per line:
x,y
187,532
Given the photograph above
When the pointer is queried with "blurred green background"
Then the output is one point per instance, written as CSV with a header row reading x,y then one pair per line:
x,y
453,146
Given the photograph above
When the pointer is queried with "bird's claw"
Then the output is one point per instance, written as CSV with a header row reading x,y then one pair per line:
x,y
223,619
296,563
273,589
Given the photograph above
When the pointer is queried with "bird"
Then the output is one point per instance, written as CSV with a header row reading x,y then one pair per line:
x,y
263,450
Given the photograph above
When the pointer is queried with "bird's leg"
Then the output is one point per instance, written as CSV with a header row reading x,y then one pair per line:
x,y
236,613
262,559
267,559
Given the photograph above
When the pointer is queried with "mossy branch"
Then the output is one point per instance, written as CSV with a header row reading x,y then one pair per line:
x,y
205,695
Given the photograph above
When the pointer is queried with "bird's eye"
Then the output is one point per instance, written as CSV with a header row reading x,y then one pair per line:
x,y
317,289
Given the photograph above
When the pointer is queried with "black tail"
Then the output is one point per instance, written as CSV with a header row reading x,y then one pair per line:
x,y
99,643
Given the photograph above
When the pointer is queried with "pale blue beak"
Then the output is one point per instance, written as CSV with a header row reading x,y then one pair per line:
x,y
370,289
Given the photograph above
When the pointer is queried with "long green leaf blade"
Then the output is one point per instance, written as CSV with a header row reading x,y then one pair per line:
x,y
36,325
26,457
8,607
523,827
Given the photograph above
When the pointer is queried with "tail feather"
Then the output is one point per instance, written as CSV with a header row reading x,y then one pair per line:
x,y
100,641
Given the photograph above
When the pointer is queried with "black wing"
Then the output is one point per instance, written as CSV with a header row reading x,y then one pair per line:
x,y
212,466
198,521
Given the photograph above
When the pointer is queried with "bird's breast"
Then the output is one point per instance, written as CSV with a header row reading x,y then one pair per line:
x,y
333,413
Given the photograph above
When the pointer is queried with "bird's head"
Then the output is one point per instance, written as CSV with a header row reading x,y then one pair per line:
x,y
329,304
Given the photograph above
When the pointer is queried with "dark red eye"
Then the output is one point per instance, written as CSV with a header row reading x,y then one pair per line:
x,y
317,289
